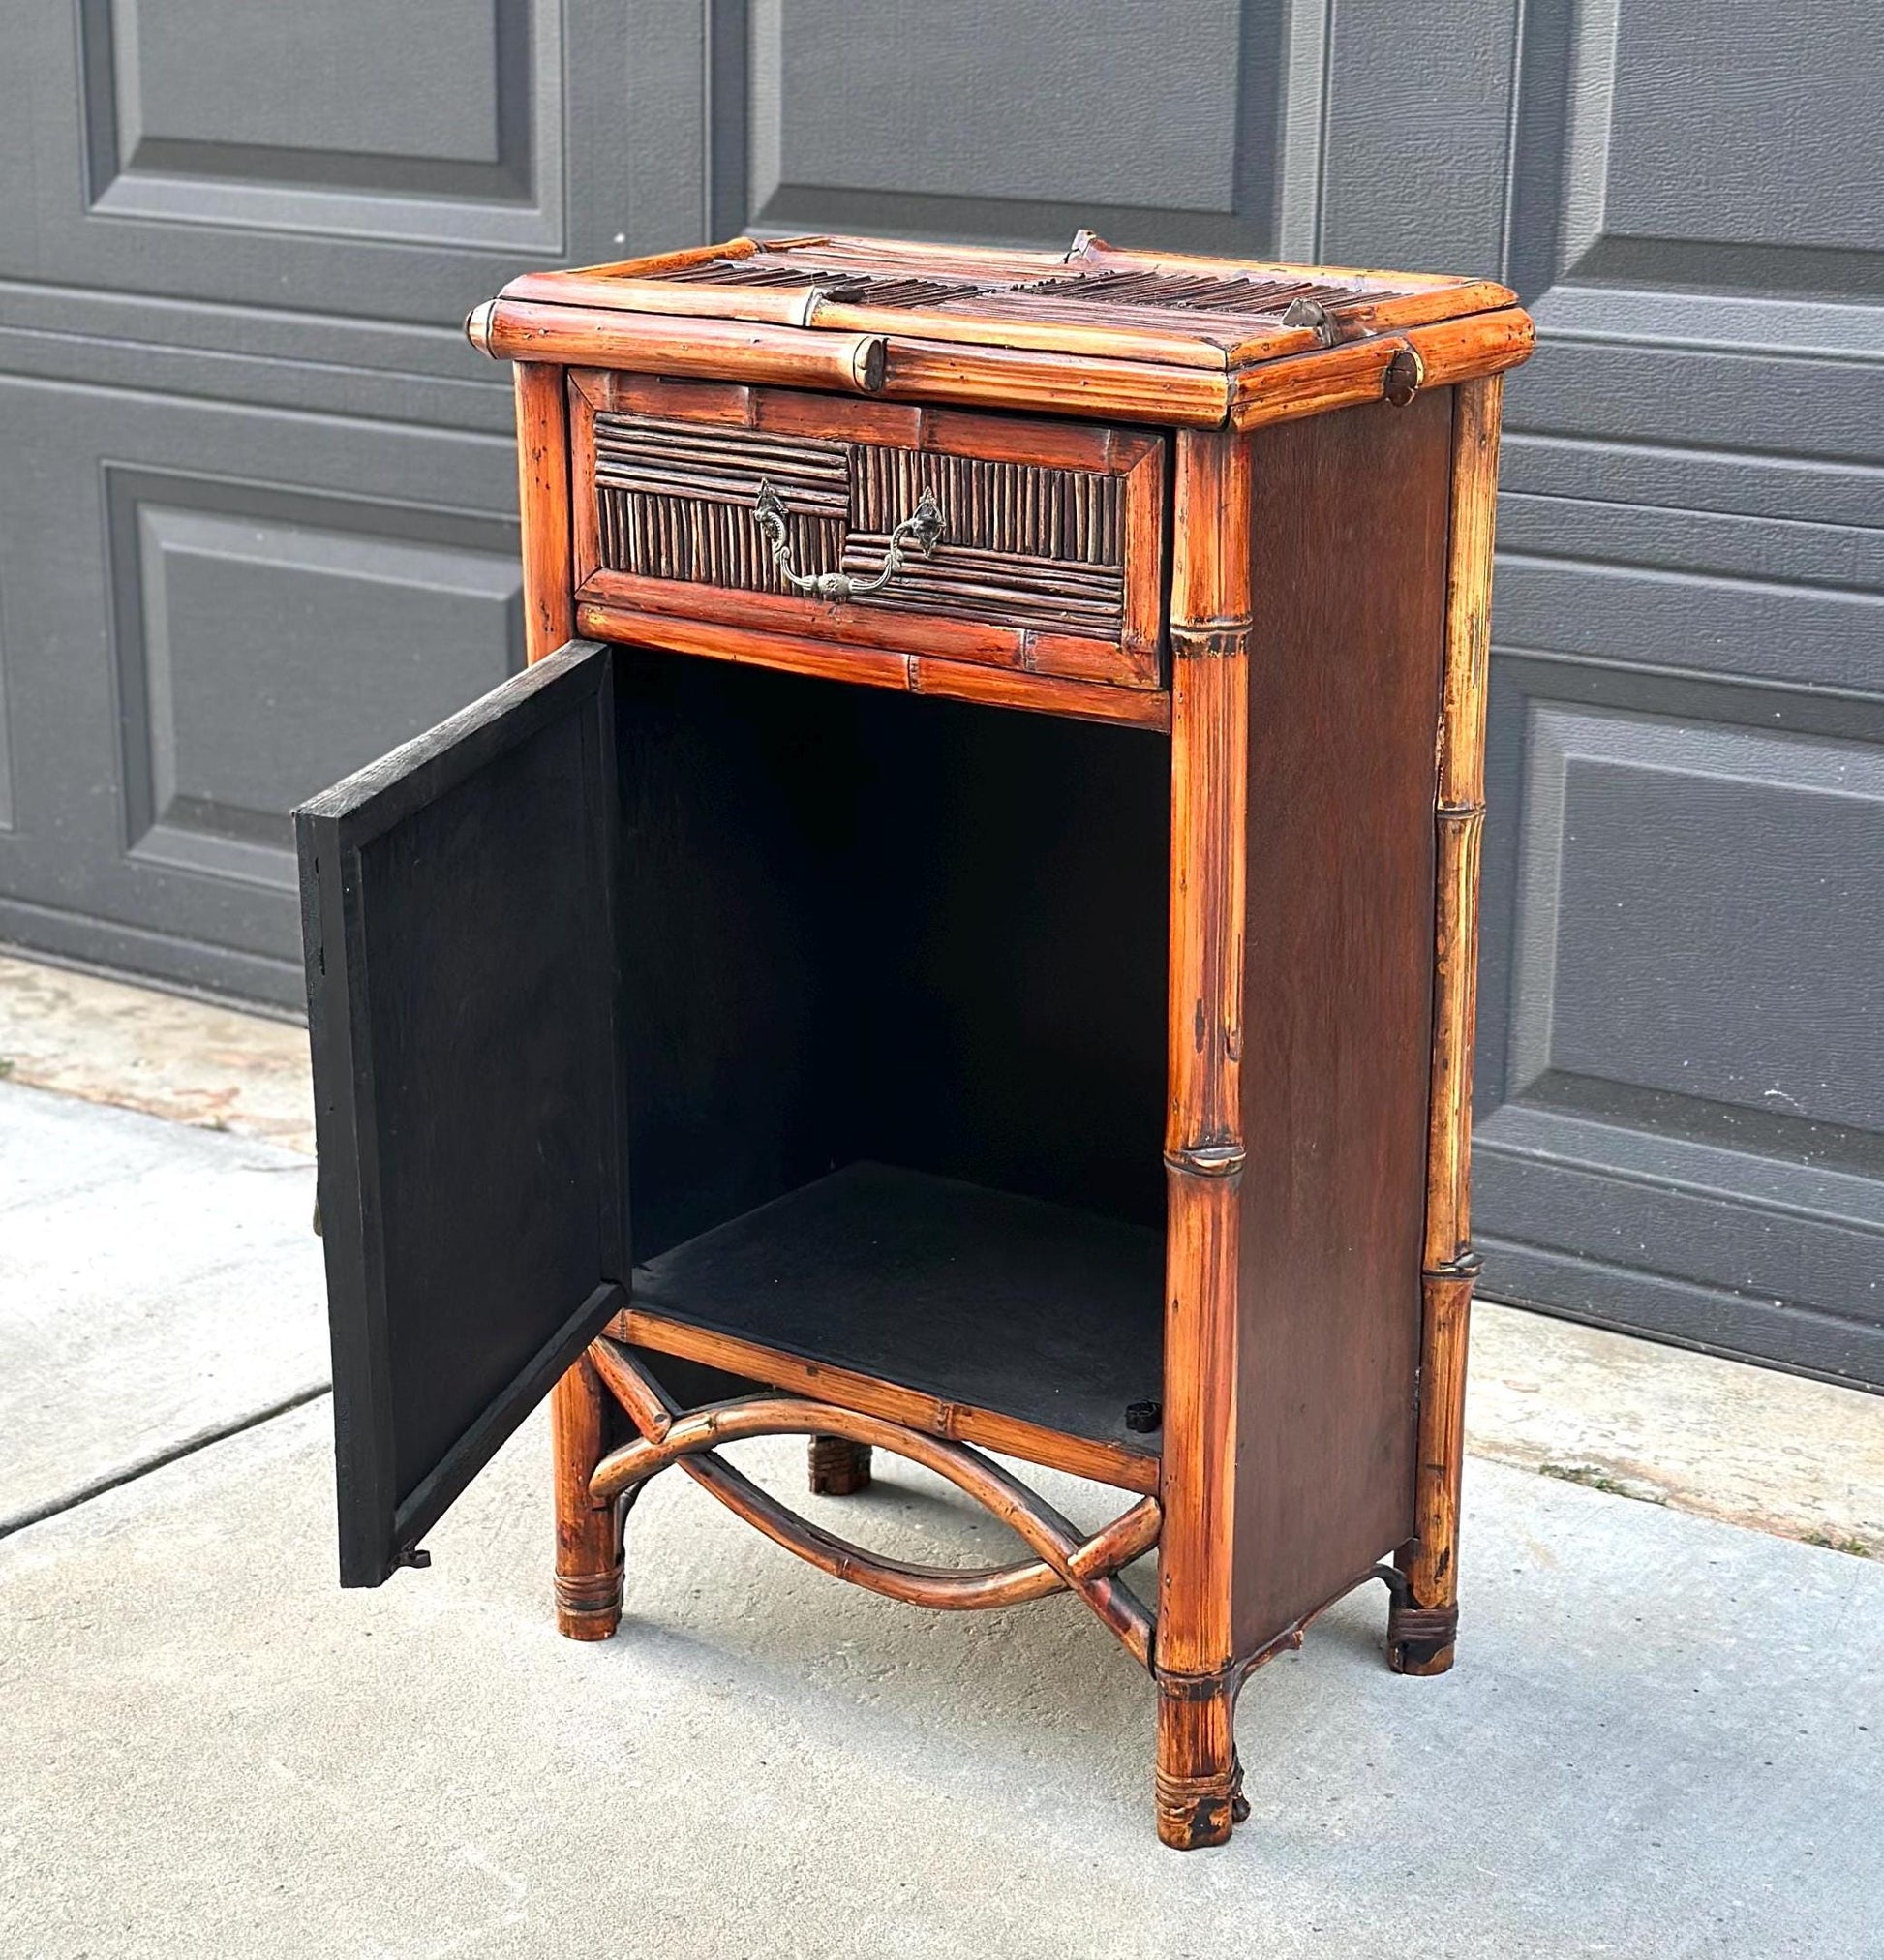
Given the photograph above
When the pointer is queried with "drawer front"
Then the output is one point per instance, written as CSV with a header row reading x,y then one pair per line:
x,y
1048,558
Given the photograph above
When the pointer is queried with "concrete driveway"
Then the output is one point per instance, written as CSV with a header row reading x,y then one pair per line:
x,y
1665,1736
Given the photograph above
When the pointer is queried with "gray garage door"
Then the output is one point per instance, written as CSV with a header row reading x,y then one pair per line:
x,y
256,515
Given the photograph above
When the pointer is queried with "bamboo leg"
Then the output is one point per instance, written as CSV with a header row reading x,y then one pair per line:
x,y
1200,1781
543,491
587,1535
839,1467
1422,1633
1195,1644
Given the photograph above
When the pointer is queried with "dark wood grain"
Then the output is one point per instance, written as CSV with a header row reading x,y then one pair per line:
x,y
1350,523
837,1468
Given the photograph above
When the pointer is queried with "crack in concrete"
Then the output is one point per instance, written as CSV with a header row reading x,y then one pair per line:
x,y
143,1466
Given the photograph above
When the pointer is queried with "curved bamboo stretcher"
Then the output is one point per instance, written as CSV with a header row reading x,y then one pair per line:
x,y
1063,1560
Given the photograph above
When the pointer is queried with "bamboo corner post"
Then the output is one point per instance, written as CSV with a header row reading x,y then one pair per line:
x,y
1422,1633
1198,1780
969,916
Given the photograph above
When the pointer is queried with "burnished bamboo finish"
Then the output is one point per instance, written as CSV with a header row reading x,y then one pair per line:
x,y
1204,1143
1356,374
1063,1561
908,1408
591,337
1092,302
837,1468
1018,377
543,495
1421,1635
588,1529
1170,339
1199,1780
834,659
1051,552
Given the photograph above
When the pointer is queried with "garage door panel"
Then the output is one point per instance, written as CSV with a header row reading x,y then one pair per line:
x,y
1785,405
392,164
1731,483
1799,635
1792,550
1723,1230
1163,129
1681,1097
1699,906
1699,143
237,607
1671,1306
233,608
1725,169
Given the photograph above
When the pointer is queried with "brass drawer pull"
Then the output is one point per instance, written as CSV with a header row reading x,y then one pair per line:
x,y
922,529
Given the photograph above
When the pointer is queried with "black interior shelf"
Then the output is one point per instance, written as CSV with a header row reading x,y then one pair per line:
x,y
1007,1303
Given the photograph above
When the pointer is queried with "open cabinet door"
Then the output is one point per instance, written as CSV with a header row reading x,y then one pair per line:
x,y
463,1002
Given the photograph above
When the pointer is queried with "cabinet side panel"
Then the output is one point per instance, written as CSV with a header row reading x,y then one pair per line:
x,y
1349,530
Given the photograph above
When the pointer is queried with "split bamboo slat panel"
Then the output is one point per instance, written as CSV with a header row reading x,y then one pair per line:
x,y
1050,560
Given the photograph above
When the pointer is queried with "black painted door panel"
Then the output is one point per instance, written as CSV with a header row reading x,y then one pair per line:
x,y
462,995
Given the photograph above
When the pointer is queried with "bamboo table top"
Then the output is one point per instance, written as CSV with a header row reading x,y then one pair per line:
x,y
1155,337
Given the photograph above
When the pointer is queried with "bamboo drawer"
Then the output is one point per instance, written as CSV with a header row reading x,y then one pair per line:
x,y
1000,541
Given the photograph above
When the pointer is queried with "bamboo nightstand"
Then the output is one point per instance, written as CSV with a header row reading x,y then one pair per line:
x,y
971,949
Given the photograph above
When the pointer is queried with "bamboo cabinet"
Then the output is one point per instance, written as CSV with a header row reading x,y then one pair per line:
x,y
960,944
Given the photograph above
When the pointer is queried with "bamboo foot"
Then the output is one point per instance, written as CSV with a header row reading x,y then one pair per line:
x,y
1200,1779
839,1467
1421,1639
589,1605
588,1534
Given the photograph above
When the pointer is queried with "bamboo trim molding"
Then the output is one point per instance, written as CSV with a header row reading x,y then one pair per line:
x,y
909,1408
1453,350
510,329
878,667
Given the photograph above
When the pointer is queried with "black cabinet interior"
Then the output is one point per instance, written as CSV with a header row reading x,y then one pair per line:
x,y
873,935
